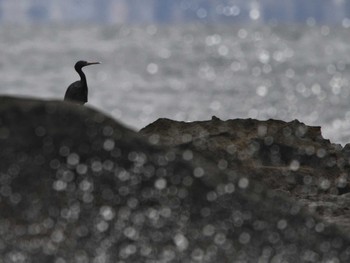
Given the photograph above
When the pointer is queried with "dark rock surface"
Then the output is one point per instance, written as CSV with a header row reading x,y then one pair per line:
x,y
287,157
76,186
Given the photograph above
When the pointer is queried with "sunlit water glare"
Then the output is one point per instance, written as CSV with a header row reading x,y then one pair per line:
x,y
189,72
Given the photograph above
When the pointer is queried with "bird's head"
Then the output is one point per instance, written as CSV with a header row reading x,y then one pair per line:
x,y
82,63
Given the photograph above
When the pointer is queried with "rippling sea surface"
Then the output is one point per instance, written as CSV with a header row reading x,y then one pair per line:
x,y
189,72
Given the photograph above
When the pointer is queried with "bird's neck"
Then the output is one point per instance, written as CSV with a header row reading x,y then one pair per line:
x,y
82,77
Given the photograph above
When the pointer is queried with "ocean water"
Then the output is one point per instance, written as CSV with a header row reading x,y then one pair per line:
x,y
188,72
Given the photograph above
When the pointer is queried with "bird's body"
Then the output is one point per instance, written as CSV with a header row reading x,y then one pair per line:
x,y
78,90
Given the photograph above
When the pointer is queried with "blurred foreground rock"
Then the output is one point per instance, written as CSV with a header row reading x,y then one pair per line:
x,y
76,186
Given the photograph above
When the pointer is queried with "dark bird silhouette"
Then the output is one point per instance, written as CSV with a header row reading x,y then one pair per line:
x,y
78,91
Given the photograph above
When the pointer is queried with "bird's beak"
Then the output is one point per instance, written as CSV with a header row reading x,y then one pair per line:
x,y
93,63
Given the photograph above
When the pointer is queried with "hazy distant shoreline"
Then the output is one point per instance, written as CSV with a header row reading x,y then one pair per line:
x,y
168,11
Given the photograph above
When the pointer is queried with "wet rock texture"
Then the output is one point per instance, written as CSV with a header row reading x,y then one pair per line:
x,y
76,186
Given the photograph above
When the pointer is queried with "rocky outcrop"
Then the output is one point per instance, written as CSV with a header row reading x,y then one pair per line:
x,y
287,157
76,186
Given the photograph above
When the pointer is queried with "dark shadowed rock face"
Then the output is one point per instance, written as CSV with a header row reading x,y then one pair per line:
x,y
252,145
76,186
288,157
